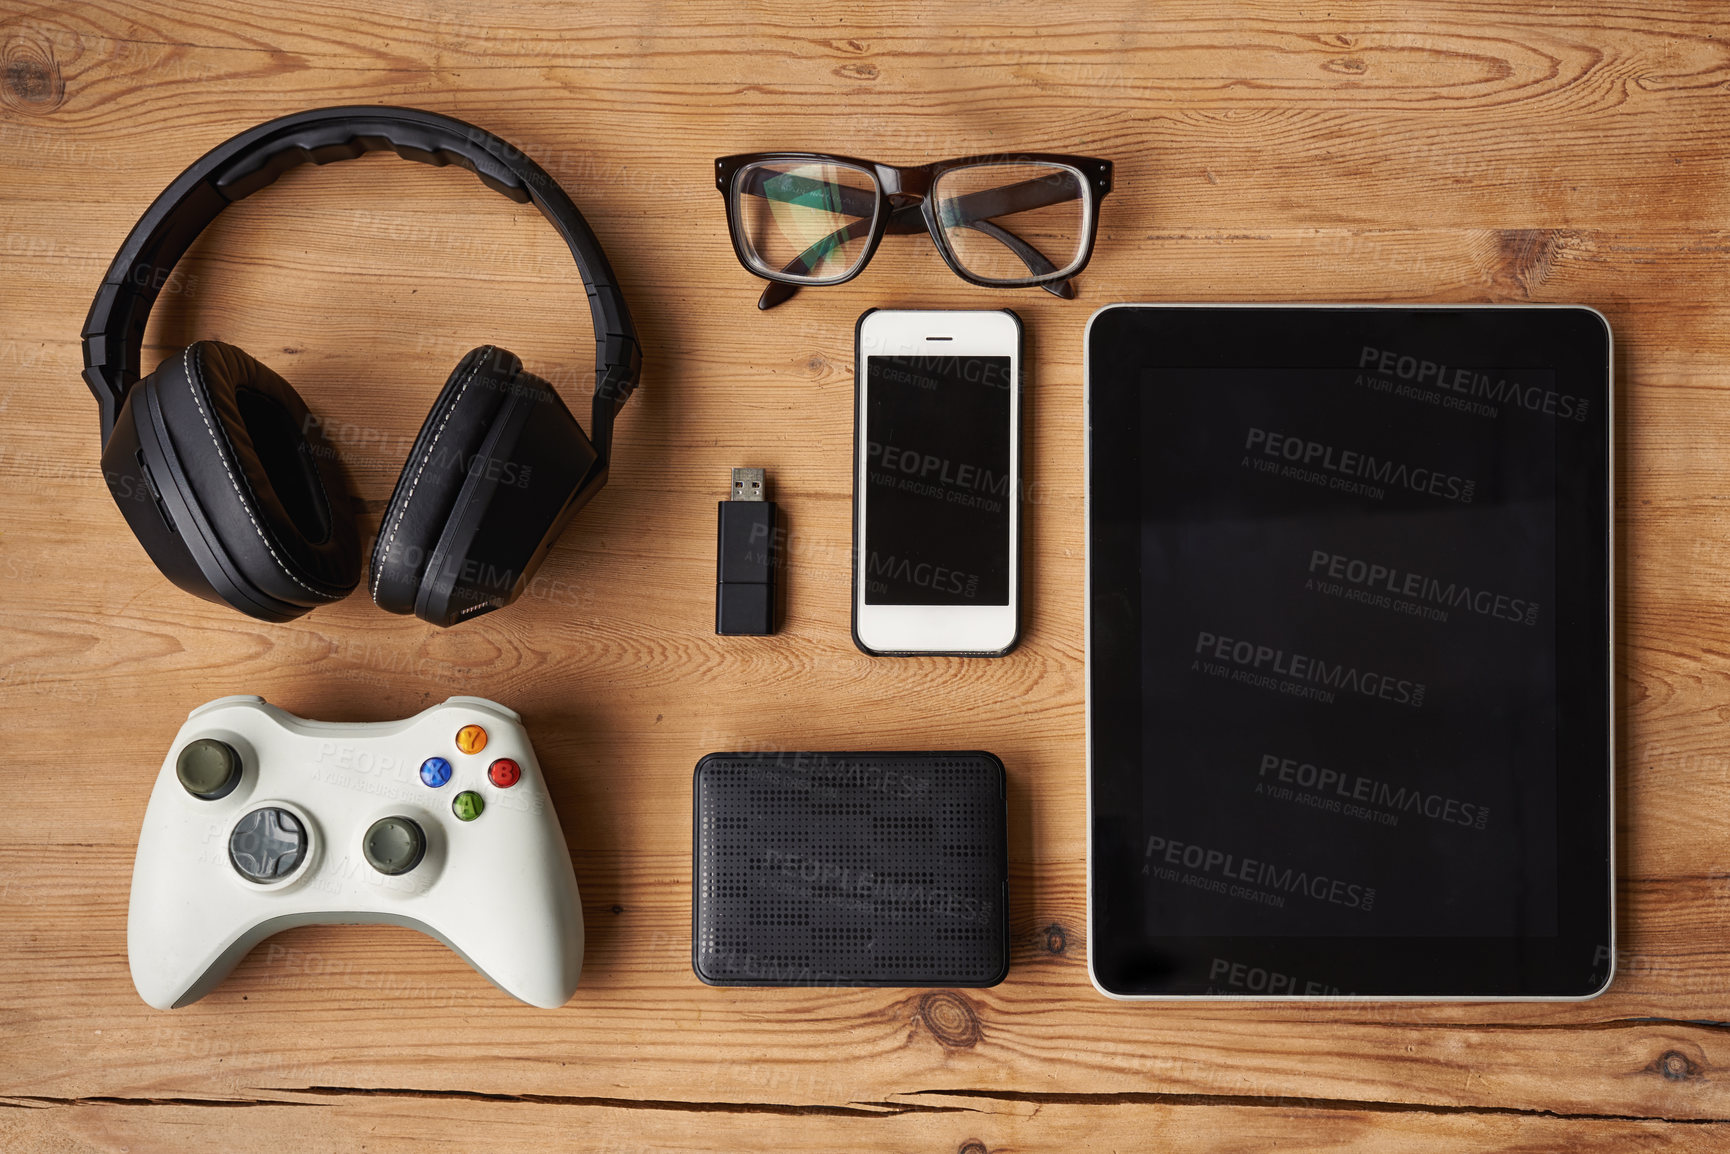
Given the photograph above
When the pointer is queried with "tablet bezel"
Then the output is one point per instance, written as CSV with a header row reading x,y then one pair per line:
x,y
1579,962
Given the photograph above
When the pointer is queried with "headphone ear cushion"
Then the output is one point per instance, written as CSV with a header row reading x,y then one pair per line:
x,y
434,474
266,481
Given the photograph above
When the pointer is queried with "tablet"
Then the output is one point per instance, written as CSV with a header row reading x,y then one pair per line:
x,y
1349,652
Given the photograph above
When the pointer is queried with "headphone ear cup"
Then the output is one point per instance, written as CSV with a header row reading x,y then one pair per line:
x,y
133,458
487,489
241,476
433,476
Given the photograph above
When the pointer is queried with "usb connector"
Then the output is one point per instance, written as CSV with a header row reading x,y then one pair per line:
x,y
748,554
749,485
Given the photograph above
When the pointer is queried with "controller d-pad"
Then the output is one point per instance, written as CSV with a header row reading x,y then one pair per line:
x,y
267,845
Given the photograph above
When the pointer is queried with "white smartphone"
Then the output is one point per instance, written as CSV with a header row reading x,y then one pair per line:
x,y
937,482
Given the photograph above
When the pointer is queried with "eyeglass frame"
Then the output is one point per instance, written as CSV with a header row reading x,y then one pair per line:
x,y
902,188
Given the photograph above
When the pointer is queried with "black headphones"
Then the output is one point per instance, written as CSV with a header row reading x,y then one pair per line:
x,y
225,477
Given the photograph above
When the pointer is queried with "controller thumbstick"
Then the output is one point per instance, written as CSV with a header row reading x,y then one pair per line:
x,y
394,845
208,769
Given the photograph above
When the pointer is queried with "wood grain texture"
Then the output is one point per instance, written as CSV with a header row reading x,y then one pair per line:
x,y
388,1121
1454,151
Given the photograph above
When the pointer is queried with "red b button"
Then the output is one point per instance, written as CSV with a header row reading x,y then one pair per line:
x,y
504,773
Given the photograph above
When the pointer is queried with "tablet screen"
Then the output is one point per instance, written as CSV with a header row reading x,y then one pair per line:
x,y
1348,659
1352,562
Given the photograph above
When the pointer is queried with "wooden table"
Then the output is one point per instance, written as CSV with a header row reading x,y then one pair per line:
x,y
1367,152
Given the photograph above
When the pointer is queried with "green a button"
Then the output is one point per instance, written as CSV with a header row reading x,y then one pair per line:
x,y
468,805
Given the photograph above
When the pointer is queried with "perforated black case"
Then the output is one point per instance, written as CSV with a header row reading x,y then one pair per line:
x,y
850,869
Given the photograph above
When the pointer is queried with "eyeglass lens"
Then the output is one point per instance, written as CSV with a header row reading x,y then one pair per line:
x,y
805,219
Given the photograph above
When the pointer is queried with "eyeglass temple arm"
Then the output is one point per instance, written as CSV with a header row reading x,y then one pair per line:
x,y
907,219
991,203
776,291
1036,261
985,204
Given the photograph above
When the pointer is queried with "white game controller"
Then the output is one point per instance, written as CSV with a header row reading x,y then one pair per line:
x,y
261,820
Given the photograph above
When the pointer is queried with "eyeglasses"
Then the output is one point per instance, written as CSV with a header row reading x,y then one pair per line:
x,y
807,218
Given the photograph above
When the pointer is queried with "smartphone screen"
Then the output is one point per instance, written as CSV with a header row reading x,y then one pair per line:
x,y
938,480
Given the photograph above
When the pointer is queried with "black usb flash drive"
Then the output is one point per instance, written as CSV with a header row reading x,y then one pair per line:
x,y
748,556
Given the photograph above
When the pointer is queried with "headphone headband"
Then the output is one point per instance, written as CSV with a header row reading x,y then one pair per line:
x,y
114,329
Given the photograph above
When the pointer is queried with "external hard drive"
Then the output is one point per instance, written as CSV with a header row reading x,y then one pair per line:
x,y
850,869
